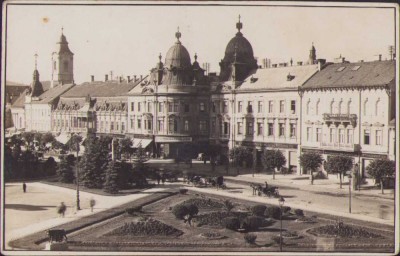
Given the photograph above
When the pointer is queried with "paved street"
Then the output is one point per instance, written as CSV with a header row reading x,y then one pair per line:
x,y
36,210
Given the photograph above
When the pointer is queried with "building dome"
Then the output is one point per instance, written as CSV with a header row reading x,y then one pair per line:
x,y
244,49
177,55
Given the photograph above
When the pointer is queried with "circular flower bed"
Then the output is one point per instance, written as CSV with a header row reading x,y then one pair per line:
x,y
290,235
306,219
212,235
205,203
145,227
341,230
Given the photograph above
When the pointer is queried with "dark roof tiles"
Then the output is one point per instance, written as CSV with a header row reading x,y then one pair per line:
x,y
100,89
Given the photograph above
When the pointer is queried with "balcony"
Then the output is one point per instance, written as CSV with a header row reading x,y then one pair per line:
x,y
340,146
337,119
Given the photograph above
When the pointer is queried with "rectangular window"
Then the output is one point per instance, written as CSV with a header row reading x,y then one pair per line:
x,y
270,129
332,135
170,106
292,130
250,129
319,134
350,136
270,106
132,124
176,106
225,107
186,125
117,123
139,123
149,108
202,107
341,136
281,129
226,128
260,129
260,107
132,106
149,125
249,107
378,137
240,106
160,125
308,133
123,126
213,124
101,125
240,127
139,106
111,126
203,126
187,108
161,107
214,107
293,107
366,137
282,106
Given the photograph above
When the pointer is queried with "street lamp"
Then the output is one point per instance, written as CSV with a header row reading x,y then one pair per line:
x,y
281,202
350,192
77,176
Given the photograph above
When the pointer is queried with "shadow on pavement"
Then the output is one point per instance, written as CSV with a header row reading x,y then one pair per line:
x,y
27,207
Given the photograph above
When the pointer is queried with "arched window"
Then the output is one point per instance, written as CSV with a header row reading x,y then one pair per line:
x,y
340,106
54,65
331,107
365,107
378,107
349,107
308,107
317,107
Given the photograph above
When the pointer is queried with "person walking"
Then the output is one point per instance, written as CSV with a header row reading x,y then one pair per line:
x,y
24,187
62,208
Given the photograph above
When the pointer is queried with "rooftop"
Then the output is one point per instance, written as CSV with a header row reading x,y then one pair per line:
x,y
52,93
100,89
376,73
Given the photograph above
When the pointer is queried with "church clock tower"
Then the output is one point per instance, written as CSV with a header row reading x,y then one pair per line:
x,y
62,63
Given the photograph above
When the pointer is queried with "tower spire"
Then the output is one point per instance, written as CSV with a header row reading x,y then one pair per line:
x,y
239,25
178,35
36,55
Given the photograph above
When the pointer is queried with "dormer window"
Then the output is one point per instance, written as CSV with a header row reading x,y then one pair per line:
x,y
290,77
340,69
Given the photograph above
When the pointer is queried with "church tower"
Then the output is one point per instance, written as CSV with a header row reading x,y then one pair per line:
x,y
62,63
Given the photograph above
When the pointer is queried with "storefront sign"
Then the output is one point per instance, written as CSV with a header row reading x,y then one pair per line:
x,y
373,156
173,139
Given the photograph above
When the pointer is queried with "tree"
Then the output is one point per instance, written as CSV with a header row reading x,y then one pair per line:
x,y
111,179
125,147
65,171
273,159
380,169
311,161
339,164
50,166
74,143
240,155
28,137
48,138
141,158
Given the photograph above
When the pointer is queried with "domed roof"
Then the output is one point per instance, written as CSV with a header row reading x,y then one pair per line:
x,y
244,50
177,55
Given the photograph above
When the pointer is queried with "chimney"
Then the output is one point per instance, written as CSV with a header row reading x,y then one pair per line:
x,y
128,79
321,63
106,78
134,78
380,57
274,65
281,64
92,78
299,63
120,79
141,77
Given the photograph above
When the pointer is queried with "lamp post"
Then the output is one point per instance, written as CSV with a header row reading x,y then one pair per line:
x,y
77,177
281,202
350,192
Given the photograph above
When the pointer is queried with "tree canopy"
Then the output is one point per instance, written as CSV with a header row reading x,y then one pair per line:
x,y
311,161
273,159
339,164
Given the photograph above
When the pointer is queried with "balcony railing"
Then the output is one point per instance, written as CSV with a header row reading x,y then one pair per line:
x,y
340,146
340,118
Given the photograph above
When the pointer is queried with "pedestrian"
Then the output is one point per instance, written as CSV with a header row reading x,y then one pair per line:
x,y
163,178
158,179
24,187
92,204
62,208
266,185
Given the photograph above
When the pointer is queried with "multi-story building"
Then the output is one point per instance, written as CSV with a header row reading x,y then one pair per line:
x,y
171,108
349,108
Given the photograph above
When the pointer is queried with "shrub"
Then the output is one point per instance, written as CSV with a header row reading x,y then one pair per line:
x,y
133,210
146,227
273,212
286,209
252,223
299,212
250,238
183,191
277,239
181,210
232,223
258,210
228,205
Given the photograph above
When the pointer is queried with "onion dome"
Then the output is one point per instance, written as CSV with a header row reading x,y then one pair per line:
x,y
36,86
195,65
159,65
177,55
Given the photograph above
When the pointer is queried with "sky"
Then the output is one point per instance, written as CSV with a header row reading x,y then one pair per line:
x,y
128,39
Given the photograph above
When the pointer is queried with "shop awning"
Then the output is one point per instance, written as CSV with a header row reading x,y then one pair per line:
x,y
143,142
63,138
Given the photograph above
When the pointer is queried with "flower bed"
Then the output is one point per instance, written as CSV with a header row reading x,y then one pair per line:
x,y
341,230
145,227
205,203
306,219
290,235
212,235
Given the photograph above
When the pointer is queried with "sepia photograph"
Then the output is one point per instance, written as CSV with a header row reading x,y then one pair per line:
x,y
199,128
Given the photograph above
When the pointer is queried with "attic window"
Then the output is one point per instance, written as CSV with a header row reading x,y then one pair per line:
x,y
340,69
355,68
253,80
290,77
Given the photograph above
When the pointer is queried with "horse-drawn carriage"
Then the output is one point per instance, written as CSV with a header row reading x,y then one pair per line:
x,y
199,181
266,191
